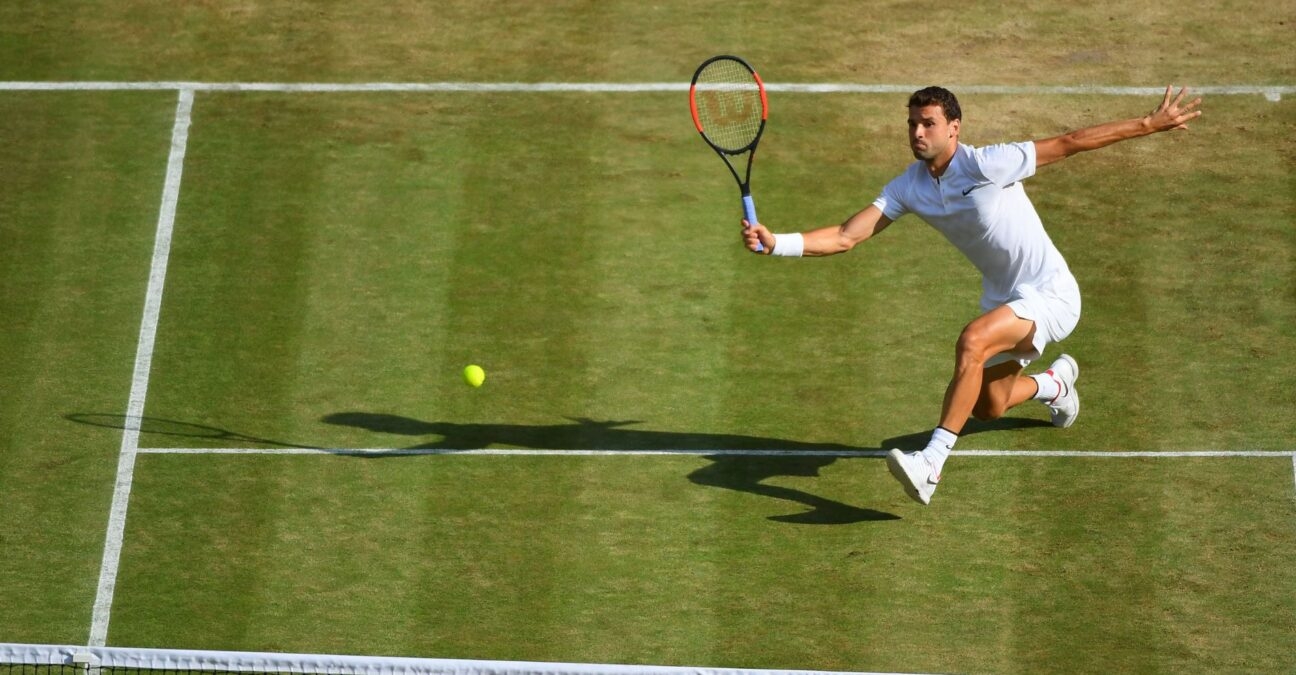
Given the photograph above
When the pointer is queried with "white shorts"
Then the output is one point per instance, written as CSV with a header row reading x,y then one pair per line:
x,y
1054,307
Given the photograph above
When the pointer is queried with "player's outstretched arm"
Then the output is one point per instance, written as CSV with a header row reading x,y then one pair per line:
x,y
1171,114
820,242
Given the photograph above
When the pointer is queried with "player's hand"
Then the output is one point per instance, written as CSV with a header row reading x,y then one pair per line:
x,y
757,239
1173,114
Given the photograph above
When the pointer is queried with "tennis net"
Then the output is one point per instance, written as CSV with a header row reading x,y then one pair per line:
x,y
29,659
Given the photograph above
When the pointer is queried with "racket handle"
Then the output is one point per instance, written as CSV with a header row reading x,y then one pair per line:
x,y
749,212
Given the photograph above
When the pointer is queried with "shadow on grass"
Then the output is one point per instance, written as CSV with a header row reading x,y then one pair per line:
x,y
157,426
743,473
730,471
748,473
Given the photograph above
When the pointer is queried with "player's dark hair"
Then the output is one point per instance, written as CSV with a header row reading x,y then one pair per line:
x,y
938,96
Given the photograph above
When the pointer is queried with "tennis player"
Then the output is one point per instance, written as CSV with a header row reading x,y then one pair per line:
x,y
974,197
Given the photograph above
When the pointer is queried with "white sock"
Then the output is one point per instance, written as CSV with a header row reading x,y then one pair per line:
x,y
939,447
1049,387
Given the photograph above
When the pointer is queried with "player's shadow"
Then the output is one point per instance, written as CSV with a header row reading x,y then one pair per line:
x,y
728,470
740,472
749,473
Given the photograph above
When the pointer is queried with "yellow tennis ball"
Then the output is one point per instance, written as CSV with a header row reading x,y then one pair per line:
x,y
474,375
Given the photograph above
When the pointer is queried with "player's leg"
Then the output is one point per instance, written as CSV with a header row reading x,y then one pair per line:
x,y
1055,309
998,330
1003,387
1035,317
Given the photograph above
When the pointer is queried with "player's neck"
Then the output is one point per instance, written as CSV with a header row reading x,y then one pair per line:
x,y
936,166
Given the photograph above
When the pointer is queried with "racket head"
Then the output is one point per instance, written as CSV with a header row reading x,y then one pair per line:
x,y
728,102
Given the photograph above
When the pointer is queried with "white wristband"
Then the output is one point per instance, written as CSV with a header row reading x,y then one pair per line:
x,y
788,245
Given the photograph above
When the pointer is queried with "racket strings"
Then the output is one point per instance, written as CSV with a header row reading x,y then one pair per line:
x,y
729,104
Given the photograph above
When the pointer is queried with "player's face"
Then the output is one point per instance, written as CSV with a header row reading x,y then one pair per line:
x,y
931,135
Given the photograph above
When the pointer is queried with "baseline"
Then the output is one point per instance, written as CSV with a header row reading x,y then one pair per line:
x,y
1270,92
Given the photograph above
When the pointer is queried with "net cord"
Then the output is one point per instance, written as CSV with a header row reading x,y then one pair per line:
x,y
91,659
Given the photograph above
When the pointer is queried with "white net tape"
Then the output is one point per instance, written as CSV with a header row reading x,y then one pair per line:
x,y
93,659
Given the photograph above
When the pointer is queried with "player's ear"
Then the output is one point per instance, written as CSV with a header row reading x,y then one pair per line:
x,y
954,127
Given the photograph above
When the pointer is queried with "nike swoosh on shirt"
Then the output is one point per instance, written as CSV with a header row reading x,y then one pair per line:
x,y
969,190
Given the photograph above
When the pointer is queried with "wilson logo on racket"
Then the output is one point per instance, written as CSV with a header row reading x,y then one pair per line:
x,y
726,110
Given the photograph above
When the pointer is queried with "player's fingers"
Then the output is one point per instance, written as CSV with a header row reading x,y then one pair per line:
x,y
1187,115
754,237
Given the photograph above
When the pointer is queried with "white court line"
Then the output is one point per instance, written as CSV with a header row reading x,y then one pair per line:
x,y
139,381
400,452
534,452
1270,92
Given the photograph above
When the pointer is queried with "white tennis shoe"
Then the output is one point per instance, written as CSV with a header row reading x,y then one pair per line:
x,y
915,473
1064,409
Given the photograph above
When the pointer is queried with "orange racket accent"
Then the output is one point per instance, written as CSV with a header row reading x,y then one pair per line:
x,y
693,107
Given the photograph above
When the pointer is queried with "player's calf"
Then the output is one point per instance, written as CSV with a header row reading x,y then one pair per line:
x,y
990,407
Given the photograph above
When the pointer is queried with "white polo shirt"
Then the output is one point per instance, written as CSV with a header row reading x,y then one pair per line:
x,y
980,206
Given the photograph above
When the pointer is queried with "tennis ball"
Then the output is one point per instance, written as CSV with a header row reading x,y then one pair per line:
x,y
474,375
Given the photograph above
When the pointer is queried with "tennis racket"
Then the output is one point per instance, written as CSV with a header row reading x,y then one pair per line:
x,y
727,99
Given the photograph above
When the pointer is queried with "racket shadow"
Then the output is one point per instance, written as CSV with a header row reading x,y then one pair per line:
x,y
160,427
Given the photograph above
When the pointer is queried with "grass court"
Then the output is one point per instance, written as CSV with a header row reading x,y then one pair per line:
x,y
686,435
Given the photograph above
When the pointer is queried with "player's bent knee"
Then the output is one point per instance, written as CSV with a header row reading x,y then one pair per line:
x,y
971,348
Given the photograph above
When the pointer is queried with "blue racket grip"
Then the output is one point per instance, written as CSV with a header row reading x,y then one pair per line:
x,y
749,211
